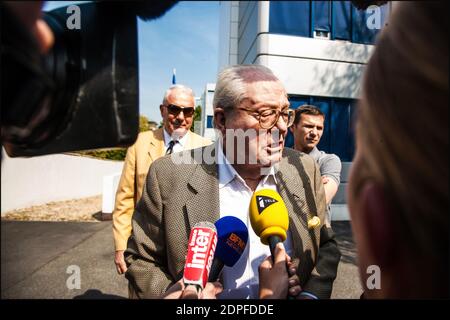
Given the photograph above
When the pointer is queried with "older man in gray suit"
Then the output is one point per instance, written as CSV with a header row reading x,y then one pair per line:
x,y
249,100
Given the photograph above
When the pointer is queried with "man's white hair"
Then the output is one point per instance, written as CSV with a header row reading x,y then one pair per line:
x,y
231,85
177,87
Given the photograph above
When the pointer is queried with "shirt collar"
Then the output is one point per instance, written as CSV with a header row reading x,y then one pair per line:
x,y
168,138
270,174
227,173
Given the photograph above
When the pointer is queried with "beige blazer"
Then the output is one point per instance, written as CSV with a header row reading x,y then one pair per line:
x,y
148,147
177,196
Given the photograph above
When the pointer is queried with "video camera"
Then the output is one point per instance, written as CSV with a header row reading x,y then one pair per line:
x,y
83,94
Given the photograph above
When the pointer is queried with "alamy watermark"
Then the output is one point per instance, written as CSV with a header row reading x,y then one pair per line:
x,y
74,20
242,147
373,21
373,281
74,280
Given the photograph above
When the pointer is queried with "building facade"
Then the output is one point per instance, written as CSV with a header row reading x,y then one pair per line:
x,y
207,112
318,49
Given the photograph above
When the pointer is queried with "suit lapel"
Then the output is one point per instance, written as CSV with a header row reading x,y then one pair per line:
x,y
292,190
156,145
204,205
289,189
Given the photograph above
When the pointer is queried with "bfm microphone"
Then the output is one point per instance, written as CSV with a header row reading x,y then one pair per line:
x,y
201,247
232,236
269,217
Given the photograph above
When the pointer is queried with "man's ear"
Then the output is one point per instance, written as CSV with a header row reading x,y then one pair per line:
x,y
219,119
161,109
378,224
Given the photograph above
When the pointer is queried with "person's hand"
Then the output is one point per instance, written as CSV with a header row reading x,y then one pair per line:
x,y
294,281
273,277
30,14
212,289
119,260
179,291
175,290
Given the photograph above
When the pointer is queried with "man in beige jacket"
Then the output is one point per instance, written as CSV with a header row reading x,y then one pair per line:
x,y
177,112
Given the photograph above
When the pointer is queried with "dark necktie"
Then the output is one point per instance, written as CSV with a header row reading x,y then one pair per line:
x,y
170,148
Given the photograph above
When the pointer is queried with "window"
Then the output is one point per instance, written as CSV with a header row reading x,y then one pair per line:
x,y
324,104
338,136
341,132
209,122
322,21
367,23
335,20
291,18
342,20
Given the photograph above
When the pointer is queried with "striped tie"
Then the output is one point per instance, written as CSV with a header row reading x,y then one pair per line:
x,y
170,148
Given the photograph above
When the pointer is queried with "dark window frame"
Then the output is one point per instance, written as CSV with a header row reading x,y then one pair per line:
x,y
346,151
332,23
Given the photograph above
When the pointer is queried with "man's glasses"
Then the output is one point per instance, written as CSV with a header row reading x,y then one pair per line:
x,y
269,118
175,110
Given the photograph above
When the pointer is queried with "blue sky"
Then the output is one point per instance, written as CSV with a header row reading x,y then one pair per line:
x,y
185,38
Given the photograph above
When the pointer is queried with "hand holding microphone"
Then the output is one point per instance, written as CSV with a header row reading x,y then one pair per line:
x,y
179,291
273,275
270,221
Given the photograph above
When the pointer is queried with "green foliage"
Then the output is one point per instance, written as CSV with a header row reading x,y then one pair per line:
x,y
117,154
197,116
143,123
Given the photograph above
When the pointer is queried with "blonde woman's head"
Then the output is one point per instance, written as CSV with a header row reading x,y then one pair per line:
x,y
399,185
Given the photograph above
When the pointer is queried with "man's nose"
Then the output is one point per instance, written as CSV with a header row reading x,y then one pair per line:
x,y
281,125
180,116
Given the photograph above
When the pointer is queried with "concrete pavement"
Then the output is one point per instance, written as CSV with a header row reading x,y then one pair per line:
x,y
347,284
35,257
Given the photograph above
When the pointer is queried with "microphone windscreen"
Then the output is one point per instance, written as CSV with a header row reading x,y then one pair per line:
x,y
232,236
268,215
201,247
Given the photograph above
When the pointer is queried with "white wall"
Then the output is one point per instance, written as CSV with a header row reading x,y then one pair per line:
x,y
228,33
316,78
310,66
310,48
38,180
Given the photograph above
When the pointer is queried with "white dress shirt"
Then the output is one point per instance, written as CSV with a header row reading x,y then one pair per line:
x,y
182,143
241,280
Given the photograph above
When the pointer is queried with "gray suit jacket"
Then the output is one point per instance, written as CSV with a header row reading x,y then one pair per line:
x,y
177,196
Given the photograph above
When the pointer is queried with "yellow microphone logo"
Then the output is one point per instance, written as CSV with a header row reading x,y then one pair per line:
x,y
263,202
268,215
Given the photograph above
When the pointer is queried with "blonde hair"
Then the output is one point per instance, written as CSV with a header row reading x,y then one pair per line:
x,y
403,125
